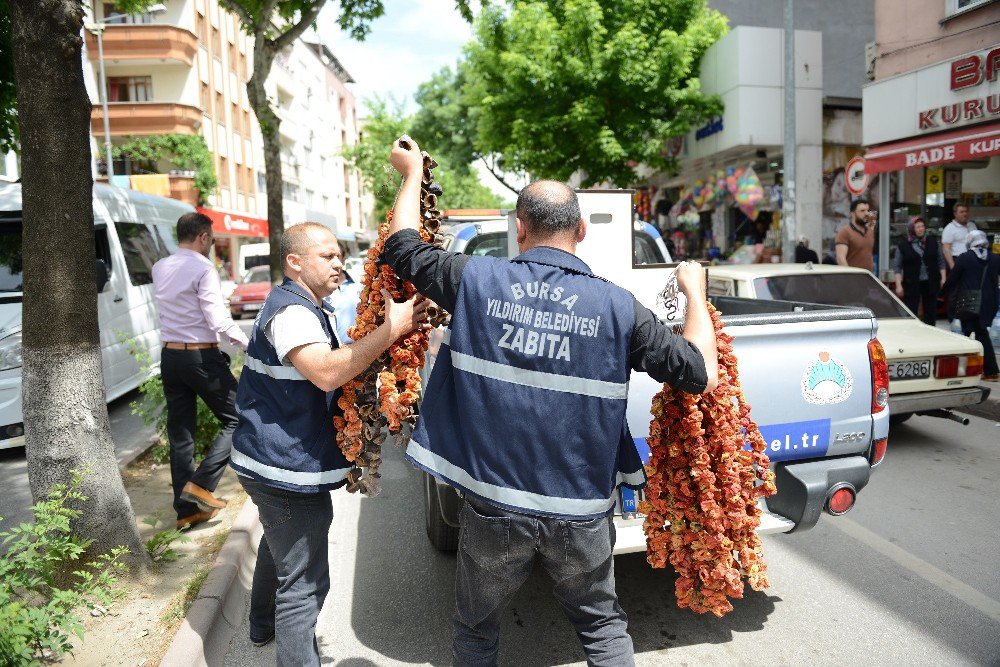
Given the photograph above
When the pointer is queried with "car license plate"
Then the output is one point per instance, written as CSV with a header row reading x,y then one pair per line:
x,y
252,306
910,370
630,500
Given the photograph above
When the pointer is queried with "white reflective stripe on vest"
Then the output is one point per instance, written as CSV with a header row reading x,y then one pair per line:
x,y
288,476
277,372
510,497
447,338
551,381
637,478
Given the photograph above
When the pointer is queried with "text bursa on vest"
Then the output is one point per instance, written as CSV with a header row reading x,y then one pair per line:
x,y
525,339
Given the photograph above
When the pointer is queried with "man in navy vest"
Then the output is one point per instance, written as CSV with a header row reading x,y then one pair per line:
x,y
284,447
525,409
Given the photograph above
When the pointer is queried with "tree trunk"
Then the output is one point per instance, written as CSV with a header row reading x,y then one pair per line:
x,y
269,122
65,413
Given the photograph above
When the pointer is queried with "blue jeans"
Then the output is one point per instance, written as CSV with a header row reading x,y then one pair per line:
x,y
496,552
292,576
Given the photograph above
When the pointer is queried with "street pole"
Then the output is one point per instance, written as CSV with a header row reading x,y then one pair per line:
x,y
104,100
788,182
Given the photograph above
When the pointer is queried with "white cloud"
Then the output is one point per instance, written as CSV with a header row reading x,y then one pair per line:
x,y
412,41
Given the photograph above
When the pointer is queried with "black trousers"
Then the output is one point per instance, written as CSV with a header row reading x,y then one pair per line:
x,y
922,292
188,374
982,334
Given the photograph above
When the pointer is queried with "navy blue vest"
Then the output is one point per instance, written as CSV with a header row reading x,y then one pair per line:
x,y
525,406
285,437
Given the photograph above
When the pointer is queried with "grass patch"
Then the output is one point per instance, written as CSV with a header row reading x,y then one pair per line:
x,y
178,607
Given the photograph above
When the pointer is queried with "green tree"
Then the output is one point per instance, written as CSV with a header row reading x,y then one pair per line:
x,y
8,93
275,25
185,151
576,86
384,122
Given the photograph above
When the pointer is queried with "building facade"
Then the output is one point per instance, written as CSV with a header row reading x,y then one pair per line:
x,y
932,114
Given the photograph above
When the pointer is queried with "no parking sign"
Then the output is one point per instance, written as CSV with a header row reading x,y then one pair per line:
x,y
855,177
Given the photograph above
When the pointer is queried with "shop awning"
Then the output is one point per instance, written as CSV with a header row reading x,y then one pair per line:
x,y
235,224
969,143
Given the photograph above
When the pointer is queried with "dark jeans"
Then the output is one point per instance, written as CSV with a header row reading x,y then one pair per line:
x,y
914,295
188,374
983,336
292,576
496,552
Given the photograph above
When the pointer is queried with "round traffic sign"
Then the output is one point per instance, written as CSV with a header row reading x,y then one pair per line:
x,y
855,177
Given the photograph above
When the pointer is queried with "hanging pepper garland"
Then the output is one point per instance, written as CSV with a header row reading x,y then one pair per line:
x,y
701,500
385,394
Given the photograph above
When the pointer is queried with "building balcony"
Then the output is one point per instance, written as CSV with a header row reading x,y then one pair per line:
x,y
181,186
145,45
147,118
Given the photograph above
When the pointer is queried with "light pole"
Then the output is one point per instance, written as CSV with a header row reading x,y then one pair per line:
x,y
98,29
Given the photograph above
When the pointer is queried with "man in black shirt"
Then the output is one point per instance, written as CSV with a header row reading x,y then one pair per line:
x,y
525,409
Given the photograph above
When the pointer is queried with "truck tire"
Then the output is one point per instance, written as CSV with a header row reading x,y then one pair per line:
x,y
896,420
443,536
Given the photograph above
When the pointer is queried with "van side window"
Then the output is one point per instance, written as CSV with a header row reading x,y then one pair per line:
x,y
645,250
142,249
493,245
102,248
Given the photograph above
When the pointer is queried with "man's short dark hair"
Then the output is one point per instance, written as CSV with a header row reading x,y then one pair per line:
x,y
547,208
957,206
192,225
858,201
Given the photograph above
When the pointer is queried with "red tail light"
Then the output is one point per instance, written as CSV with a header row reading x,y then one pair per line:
x,y
880,376
965,365
878,451
840,501
974,365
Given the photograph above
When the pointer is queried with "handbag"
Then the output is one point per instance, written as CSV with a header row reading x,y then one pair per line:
x,y
968,302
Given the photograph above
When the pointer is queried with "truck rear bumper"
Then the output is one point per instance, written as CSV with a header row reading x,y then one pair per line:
x,y
630,537
803,487
934,400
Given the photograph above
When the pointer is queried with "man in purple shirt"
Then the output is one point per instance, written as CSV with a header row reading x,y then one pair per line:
x,y
192,317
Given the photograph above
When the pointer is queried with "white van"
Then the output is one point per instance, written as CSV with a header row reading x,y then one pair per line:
x,y
132,231
251,255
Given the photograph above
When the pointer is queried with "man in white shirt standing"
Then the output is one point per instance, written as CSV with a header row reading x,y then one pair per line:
x,y
956,234
192,317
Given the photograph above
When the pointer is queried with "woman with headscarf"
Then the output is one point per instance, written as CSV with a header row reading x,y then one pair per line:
x,y
978,269
919,268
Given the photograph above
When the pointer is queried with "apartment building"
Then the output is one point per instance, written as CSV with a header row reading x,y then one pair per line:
x,y
182,68
932,114
318,118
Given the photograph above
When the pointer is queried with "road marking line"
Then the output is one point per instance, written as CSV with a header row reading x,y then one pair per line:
x,y
921,568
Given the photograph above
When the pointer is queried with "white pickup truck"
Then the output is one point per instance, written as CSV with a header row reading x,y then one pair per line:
x,y
824,436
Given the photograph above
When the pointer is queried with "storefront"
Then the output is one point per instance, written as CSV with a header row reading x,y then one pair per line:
x,y
936,132
726,201
232,230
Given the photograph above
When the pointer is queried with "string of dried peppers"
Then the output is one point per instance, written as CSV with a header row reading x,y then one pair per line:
x,y
386,393
701,501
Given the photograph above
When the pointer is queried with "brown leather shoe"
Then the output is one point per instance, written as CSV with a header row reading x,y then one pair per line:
x,y
193,520
203,497
992,378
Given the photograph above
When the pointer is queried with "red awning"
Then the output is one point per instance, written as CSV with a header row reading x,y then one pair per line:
x,y
969,143
235,224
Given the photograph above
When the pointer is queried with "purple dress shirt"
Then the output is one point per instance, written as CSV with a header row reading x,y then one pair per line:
x,y
189,296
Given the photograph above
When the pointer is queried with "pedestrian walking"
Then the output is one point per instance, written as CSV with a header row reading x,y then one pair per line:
x,y
803,254
525,409
954,238
192,318
284,449
974,280
919,269
855,242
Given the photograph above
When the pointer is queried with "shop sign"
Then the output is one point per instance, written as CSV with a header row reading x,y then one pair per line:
x,y
969,144
856,179
934,182
713,126
236,224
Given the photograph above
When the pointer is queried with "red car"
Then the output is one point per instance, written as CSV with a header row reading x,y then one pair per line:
x,y
249,295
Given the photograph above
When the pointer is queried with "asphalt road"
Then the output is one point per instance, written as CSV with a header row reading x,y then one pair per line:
x,y
907,577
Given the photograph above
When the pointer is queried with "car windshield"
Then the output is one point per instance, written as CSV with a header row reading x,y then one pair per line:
x,y
834,289
11,278
260,274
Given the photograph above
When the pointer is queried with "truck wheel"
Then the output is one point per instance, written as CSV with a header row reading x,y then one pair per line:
x,y
896,420
442,536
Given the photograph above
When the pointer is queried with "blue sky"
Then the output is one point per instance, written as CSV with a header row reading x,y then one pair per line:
x,y
414,39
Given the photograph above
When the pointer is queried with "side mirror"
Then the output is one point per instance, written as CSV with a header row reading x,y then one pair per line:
x,y
101,274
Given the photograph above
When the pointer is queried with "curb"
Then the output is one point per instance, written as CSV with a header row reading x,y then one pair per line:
x,y
220,608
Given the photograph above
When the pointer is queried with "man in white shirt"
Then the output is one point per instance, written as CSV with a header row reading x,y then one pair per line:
x,y
956,233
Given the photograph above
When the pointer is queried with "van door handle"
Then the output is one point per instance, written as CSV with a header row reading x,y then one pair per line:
x,y
119,298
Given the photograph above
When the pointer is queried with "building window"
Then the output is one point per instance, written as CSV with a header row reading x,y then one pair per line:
x,y
202,27
290,191
220,109
223,172
204,99
120,18
261,182
960,6
130,89
217,43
